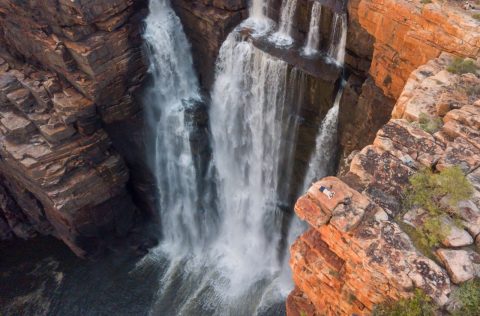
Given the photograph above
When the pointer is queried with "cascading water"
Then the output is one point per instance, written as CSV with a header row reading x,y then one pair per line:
x,y
283,36
313,38
323,161
213,260
338,38
238,263
250,121
173,91
257,9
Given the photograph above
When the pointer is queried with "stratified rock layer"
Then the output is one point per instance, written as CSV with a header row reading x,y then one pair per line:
x,y
66,67
410,33
355,255
386,41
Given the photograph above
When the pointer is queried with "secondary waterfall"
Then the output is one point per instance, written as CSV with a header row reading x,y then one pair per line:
x,y
174,89
283,36
322,162
338,38
313,38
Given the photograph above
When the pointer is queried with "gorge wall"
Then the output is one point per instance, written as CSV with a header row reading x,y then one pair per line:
x,y
355,255
68,76
386,42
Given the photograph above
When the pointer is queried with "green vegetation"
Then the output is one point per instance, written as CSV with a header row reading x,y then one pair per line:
x,y
425,1
462,66
468,294
302,313
429,124
426,190
476,16
418,305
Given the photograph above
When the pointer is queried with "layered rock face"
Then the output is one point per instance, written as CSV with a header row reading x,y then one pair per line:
x,y
207,24
67,68
386,42
409,34
355,254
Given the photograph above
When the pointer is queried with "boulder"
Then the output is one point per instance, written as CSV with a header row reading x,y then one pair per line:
x,y
462,265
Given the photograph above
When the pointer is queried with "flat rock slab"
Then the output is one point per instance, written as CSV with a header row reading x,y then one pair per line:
x,y
462,265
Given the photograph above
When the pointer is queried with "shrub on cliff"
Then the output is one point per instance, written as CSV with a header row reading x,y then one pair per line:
x,y
462,66
426,190
429,124
418,305
468,295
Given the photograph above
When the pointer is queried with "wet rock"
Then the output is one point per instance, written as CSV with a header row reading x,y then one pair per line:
x,y
207,24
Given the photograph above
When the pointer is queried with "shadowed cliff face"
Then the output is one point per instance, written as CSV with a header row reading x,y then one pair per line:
x,y
68,75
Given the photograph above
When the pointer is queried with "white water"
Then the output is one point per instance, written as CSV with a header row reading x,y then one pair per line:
x,y
258,20
174,87
322,162
338,38
234,266
257,9
283,36
313,38
249,122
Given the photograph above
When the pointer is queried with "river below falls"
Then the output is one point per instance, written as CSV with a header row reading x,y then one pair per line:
x,y
43,277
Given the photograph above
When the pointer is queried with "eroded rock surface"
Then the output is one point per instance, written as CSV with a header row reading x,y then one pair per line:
x,y
410,33
67,69
355,254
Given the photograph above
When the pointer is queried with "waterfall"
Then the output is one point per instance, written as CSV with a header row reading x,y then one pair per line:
x,y
257,9
313,39
258,21
283,36
173,91
250,121
338,38
227,259
322,162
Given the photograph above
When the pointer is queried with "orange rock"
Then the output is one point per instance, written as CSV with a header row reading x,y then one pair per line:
x,y
408,34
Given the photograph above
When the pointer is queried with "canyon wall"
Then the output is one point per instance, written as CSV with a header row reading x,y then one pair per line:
x,y
387,40
355,255
68,76
207,24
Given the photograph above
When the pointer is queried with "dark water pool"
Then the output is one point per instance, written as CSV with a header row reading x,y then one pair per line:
x,y
42,277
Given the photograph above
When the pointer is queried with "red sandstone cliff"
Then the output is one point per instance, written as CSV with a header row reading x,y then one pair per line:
x,y
354,255
67,68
